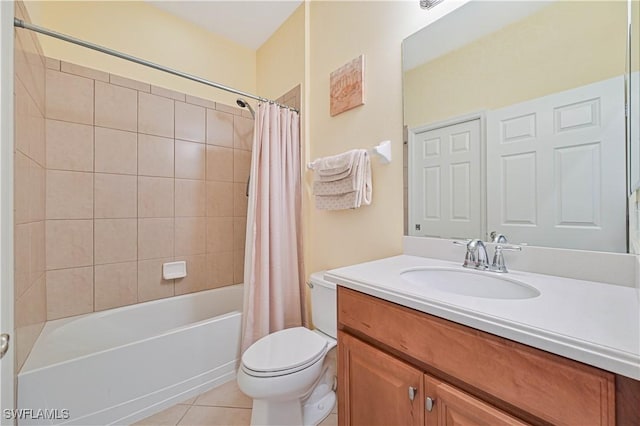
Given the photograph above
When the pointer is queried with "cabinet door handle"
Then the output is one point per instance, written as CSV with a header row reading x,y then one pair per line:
x,y
412,393
430,403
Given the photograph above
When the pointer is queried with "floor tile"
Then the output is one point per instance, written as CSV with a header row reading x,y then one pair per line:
x,y
227,395
170,416
214,416
331,420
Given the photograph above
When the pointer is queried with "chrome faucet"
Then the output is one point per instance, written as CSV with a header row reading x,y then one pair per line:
x,y
476,256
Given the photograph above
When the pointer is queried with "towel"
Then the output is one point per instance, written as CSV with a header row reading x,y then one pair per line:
x,y
349,191
336,167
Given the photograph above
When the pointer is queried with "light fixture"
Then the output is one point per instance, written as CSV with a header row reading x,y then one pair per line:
x,y
428,4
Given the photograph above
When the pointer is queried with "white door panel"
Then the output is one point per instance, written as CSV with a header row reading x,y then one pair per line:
x,y
555,167
445,173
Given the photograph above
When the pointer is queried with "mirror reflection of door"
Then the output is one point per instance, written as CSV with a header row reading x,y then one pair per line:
x,y
446,181
555,168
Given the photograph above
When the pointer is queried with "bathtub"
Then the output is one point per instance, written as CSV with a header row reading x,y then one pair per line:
x,y
122,365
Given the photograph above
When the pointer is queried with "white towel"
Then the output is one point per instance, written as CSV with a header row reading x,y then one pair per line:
x,y
336,167
348,192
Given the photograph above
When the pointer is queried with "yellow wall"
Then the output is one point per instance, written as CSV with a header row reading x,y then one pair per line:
x,y
280,60
565,45
339,32
140,29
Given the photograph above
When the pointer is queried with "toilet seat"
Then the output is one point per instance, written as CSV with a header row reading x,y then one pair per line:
x,y
284,352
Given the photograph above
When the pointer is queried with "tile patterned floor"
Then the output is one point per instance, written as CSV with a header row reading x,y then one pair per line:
x,y
225,405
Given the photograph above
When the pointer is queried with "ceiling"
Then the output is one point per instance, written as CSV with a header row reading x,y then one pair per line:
x,y
247,22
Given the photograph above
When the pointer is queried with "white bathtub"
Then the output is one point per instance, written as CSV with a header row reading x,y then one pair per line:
x,y
122,365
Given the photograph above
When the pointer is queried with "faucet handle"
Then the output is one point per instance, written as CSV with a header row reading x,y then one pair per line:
x,y
470,256
498,264
497,238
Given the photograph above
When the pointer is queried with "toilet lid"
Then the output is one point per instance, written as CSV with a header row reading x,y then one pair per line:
x,y
284,350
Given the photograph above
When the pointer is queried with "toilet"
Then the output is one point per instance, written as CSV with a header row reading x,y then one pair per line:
x,y
291,374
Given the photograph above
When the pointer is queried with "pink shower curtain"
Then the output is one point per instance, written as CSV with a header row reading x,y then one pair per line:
x,y
273,252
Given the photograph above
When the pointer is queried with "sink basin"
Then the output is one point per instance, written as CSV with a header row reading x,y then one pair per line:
x,y
471,283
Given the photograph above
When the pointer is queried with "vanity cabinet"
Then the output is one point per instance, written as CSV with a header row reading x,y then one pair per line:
x,y
473,377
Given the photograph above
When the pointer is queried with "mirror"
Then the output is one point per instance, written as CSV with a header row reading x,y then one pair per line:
x,y
515,123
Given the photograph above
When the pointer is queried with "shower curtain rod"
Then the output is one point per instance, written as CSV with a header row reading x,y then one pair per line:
x,y
21,24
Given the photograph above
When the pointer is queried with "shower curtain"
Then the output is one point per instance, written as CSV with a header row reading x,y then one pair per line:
x,y
273,272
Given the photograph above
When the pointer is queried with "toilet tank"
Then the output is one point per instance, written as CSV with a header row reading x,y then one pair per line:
x,y
324,305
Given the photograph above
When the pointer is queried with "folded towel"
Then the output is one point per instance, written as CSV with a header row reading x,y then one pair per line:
x,y
337,202
336,187
334,167
348,192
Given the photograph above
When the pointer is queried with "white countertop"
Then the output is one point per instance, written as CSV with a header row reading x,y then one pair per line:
x,y
591,322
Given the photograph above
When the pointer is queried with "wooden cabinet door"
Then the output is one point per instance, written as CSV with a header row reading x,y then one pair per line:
x,y
374,388
453,407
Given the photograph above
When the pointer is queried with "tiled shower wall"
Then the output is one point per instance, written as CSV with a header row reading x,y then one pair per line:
x,y
138,175
29,190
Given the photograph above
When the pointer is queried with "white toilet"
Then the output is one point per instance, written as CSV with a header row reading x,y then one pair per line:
x,y
290,374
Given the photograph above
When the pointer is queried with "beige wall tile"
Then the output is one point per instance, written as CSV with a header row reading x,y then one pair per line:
x,y
116,107
190,122
220,162
190,160
155,115
30,308
69,97
247,114
240,199
155,156
155,238
29,136
219,128
116,151
200,415
29,66
115,285
220,269
190,236
190,198
69,146
241,165
22,258
167,93
25,339
219,199
37,251
69,243
155,197
238,266
115,240
83,71
131,84
219,234
196,278
239,232
228,109
151,285
21,168
69,292
69,195
52,64
36,191
201,102
115,196
242,133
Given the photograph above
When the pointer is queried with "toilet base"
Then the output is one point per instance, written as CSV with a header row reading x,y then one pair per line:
x,y
291,413
285,413
317,411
